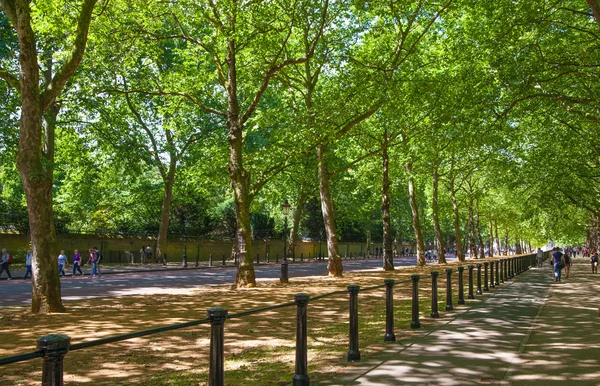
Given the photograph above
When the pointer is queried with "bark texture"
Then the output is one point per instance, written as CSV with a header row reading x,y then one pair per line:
x,y
415,217
439,238
388,253
334,263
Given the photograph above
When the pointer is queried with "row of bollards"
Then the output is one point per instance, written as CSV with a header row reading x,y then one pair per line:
x,y
53,348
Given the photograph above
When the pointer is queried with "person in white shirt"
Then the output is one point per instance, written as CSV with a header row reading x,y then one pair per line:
x,y
28,257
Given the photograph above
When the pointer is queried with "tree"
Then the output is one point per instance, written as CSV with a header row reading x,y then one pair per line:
x,y
35,162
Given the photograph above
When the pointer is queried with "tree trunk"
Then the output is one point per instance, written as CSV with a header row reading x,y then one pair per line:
x,y
415,215
491,238
36,173
460,256
296,221
506,243
334,264
388,257
497,239
240,179
165,215
481,247
472,246
439,239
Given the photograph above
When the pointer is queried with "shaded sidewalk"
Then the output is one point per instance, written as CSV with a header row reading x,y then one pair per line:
x,y
531,331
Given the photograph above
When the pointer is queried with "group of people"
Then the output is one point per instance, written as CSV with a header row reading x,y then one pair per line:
x,y
94,260
561,260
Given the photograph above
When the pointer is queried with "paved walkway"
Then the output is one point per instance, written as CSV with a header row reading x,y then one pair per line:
x,y
531,331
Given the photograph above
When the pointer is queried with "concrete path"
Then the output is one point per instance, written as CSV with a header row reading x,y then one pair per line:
x,y
531,331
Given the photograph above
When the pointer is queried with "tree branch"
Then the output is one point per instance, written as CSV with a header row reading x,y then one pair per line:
x,y
54,88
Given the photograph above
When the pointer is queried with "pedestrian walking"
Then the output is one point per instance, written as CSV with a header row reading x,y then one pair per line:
x,y
28,257
594,261
142,255
77,263
62,262
98,260
148,253
5,261
567,259
92,261
559,263
540,257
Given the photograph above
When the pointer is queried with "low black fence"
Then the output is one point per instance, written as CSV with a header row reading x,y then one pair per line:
x,y
129,257
53,348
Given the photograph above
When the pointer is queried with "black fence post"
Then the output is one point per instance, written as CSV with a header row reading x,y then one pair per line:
x,y
492,285
210,260
501,262
223,259
415,301
301,256
197,259
389,311
434,295
257,258
471,296
479,291
217,316
449,289
497,282
55,347
353,352
485,276
509,275
165,258
461,290
301,376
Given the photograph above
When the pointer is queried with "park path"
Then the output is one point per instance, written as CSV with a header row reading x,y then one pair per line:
x,y
531,331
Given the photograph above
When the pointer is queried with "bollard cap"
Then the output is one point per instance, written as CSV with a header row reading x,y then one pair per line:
x,y
415,277
460,268
478,265
389,281
471,266
217,313
53,342
353,288
448,270
434,273
301,298
486,263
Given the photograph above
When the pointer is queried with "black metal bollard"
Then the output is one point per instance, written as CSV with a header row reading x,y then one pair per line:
x,y
415,302
197,259
492,285
501,262
389,311
223,259
434,295
267,257
449,289
497,269
461,290
301,376
471,296
485,276
164,259
217,316
510,271
353,352
210,260
55,347
302,256
479,291
284,272
257,258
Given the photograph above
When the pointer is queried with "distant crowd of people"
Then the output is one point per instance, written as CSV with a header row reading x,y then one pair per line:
x,y
561,259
